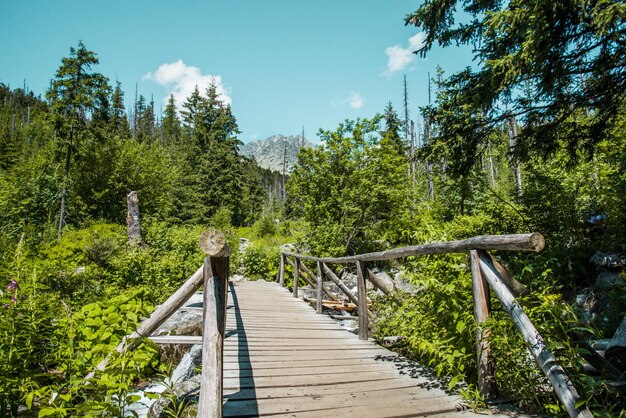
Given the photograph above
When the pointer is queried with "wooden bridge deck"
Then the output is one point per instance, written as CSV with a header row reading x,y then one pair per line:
x,y
283,359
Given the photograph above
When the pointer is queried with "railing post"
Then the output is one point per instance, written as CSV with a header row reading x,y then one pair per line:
x,y
563,386
362,299
482,312
281,271
320,284
215,273
296,263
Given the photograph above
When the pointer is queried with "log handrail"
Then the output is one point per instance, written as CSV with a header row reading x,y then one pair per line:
x,y
486,273
514,242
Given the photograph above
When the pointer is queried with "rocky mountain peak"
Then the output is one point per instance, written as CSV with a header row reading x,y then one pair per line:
x,y
271,152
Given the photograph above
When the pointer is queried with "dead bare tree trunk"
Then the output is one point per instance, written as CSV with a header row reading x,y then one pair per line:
x,y
517,168
68,160
133,221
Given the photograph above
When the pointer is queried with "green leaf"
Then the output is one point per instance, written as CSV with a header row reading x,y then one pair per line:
x,y
453,382
47,411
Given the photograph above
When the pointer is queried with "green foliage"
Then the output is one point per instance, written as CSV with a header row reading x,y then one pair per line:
x,y
84,339
351,187
260,262
265,226
545,61
26,325
438,320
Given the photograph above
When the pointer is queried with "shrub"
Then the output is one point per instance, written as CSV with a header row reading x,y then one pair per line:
x,y
260,262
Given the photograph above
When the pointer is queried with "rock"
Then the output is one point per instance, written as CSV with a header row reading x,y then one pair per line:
x,y
187,390
404,286
607,259
237,278
616,349
385,281
79,270
173,389
349,279
609,279
289,248
183,322
243,244
272,152
307,292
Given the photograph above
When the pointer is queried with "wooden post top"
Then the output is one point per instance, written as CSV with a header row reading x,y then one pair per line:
x,y
213,243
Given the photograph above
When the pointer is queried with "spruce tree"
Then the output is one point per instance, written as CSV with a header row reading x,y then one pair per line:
x,y
170,126
118,121
75,93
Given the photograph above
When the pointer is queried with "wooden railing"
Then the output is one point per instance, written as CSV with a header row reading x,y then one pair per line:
x,y
213,275
486,273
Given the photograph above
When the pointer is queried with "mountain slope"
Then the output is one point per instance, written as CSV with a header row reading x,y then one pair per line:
x,y
271,152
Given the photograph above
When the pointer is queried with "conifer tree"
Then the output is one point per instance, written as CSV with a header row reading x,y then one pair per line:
x,y
393,125
170,126
75,93
118,120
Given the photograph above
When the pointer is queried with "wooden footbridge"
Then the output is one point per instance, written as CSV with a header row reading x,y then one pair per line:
x,y
266,353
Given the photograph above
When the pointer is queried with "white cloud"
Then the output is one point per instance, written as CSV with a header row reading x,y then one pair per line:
x,y
399,58
182,79
356,100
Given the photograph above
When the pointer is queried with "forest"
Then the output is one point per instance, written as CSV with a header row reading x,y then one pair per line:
x,y
531,138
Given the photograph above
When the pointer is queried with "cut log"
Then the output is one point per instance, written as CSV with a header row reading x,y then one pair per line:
x,y
337,307
213,243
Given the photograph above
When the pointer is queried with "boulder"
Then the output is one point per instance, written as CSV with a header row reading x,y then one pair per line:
x,y
185,391
609,279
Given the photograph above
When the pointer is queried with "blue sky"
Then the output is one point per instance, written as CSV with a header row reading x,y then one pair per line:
x,y
283,65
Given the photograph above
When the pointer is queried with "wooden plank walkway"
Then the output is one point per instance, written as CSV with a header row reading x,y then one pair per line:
x,y
283,359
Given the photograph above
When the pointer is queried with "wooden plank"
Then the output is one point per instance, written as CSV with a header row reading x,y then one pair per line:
x,y
514,242
281,362
394,406
307,380
304,364
327,404
254,356
319,390
297,370
563,386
